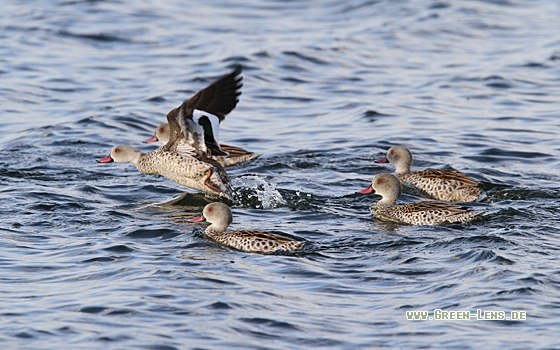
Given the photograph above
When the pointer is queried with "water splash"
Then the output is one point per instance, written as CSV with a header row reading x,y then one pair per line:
x,y
254,191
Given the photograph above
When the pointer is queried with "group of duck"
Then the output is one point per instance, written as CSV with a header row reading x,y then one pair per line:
x,y
192,156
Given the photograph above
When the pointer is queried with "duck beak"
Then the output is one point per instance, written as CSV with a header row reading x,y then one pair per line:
x,y
107,159
382,160
197,219
151,139
367,190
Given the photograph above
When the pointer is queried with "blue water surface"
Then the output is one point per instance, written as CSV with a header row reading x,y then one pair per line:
x,y
100,256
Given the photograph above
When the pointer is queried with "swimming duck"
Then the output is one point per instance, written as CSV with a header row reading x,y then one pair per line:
x,y
190,170
443,184
251,241
235,154
186,158
388,187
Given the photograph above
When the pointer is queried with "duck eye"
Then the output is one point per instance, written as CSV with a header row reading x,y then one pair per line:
x,y
392,151
116,150
379,181
209,209
162,130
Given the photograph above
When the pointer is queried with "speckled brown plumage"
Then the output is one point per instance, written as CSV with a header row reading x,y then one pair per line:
x,y
189,171
235,155
186,159
252,241
419,213
443,184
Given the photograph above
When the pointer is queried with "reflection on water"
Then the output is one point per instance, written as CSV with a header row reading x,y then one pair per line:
x,y
97,256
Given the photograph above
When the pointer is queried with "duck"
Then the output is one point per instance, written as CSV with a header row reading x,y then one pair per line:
x,y
235,155
188,170
198,118
430,212
442,184
220,217
187,157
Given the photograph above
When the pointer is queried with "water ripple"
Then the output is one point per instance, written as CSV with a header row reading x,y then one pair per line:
x,y
100,255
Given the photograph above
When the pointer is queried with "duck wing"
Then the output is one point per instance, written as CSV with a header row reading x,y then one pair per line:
x,y
200,115
450,175
264,236
435,206
221,97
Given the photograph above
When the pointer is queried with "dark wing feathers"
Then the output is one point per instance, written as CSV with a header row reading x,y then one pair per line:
x,y
219,98
436,205
234,151
265,236
453,175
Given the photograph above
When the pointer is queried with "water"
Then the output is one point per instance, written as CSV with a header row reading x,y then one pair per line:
x,y
98,255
